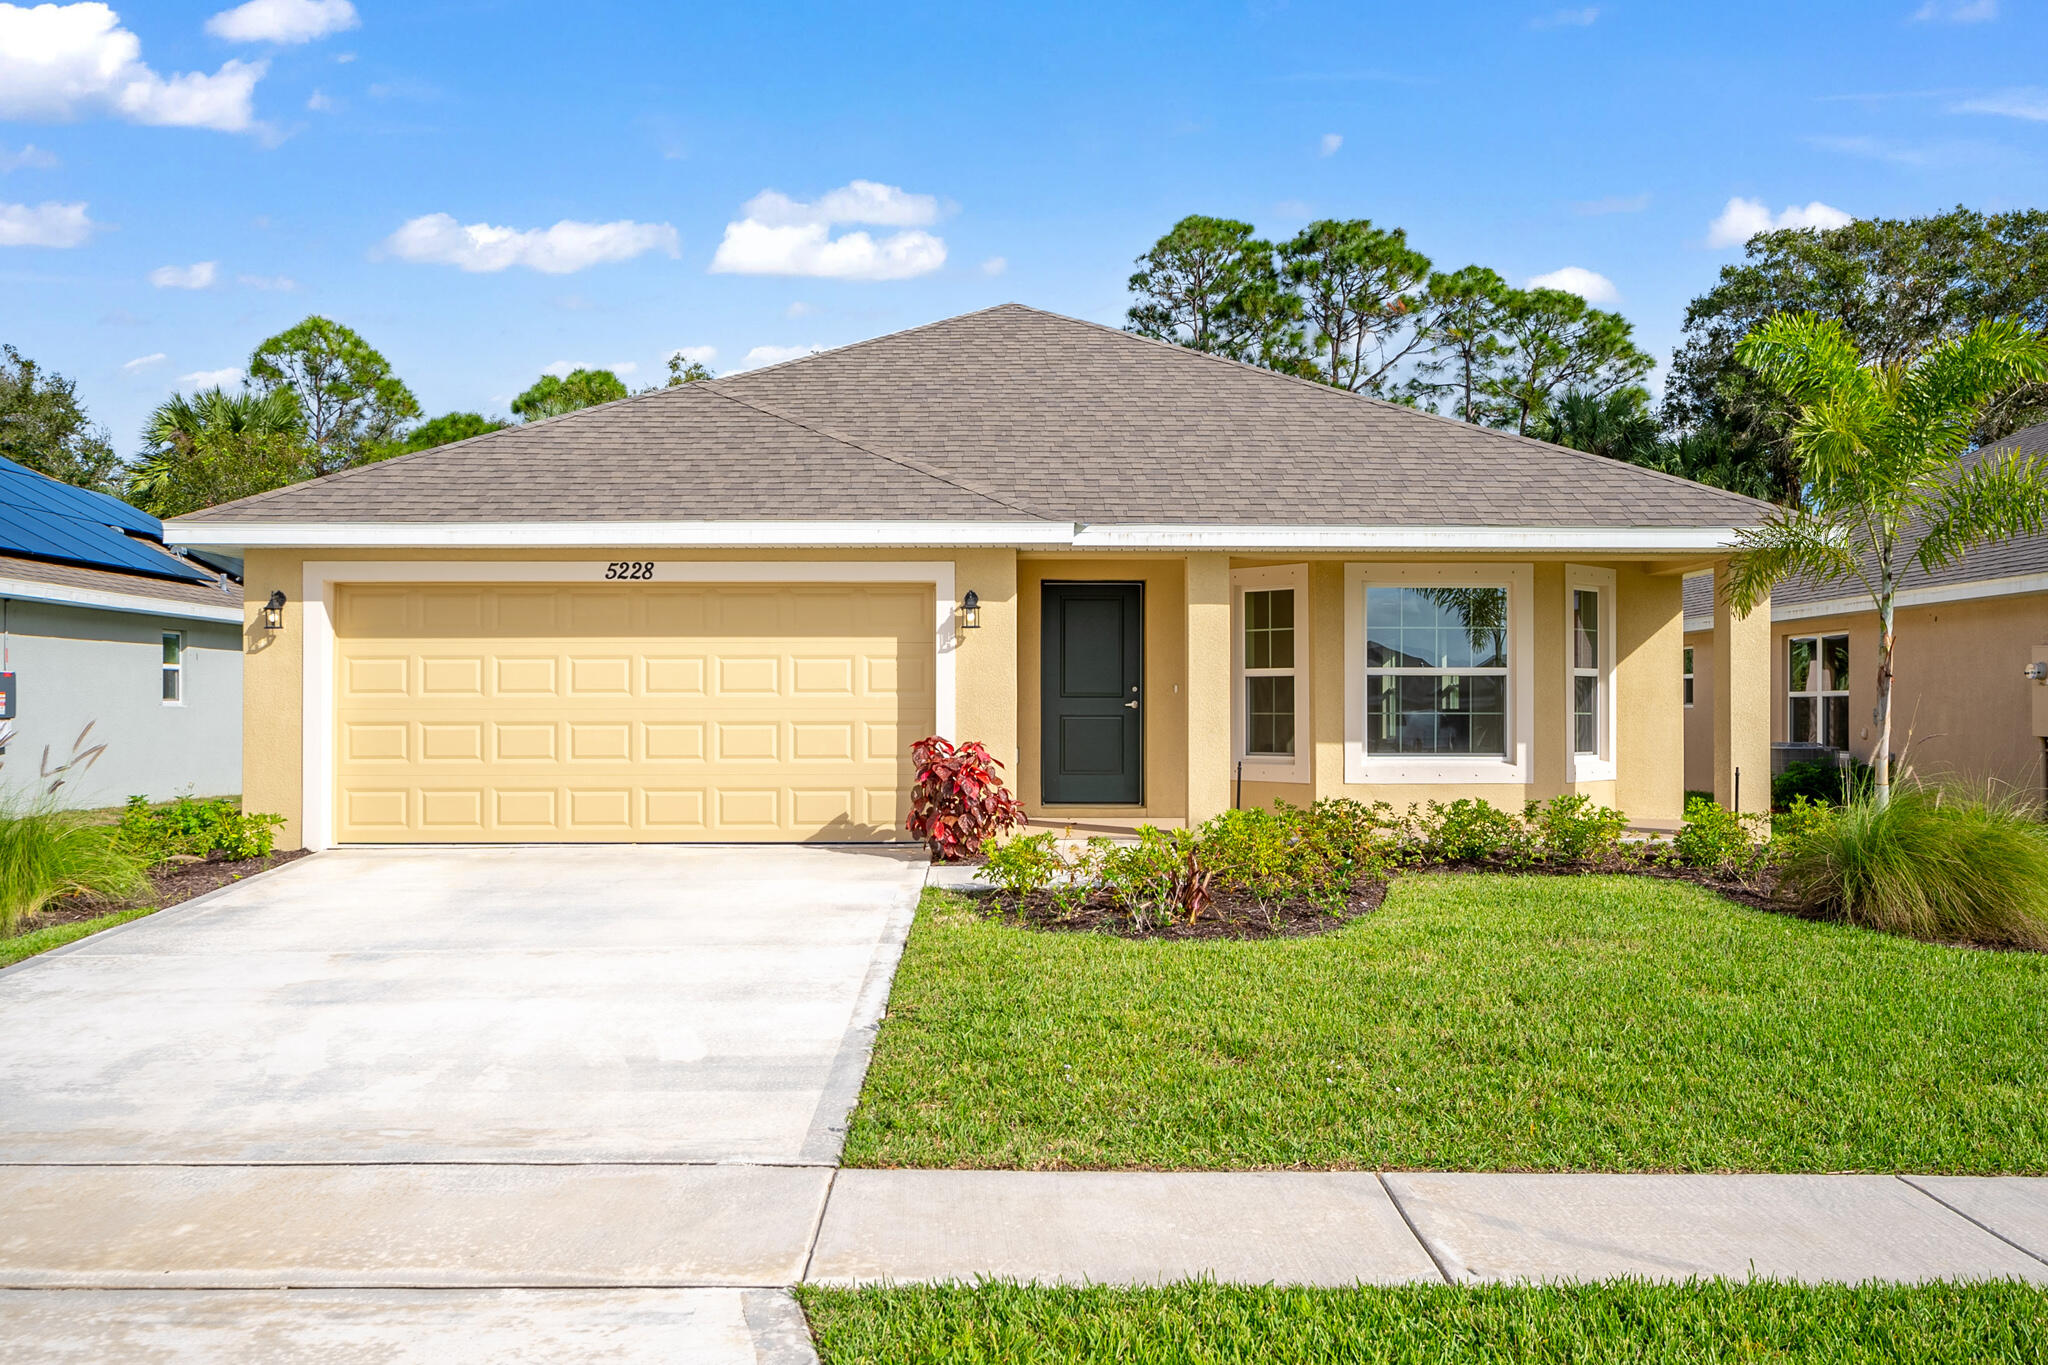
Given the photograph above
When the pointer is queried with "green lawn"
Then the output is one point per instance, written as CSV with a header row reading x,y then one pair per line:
x,y
13,950
1707,1321
1473,1023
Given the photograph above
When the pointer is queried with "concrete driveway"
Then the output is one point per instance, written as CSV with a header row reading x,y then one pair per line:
x,y
610,1080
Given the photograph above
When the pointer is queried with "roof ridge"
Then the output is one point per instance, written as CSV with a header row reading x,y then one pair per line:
x,y
905,461
869,341
1368,399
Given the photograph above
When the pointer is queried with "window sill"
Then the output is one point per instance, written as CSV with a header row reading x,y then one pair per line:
x,y
1592,769
1264,769
1420,771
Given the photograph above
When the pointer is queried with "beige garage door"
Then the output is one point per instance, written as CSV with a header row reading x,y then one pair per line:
x,y
629,712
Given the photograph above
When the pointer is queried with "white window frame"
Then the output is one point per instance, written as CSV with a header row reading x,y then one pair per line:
x,y
1689,677
1363,768
1599,766
178,668
1272,767
1816,693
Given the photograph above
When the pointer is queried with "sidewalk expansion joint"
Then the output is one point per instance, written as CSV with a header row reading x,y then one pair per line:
x,y
1414,1231
2026,1251
818,1226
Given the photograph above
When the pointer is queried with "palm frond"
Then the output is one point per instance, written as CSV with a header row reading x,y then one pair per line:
x,y
1995,500
1791,542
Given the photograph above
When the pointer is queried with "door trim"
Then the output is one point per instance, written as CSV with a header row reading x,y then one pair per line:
x,y
1137,585
320,577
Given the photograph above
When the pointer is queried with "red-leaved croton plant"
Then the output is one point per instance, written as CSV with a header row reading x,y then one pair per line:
x,y
959,801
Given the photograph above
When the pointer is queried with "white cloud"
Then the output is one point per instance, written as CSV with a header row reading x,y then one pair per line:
x,y
1330,143
782,236
995,265
2026,102
1567,18
775,355
1743,219
143,362
66,61
282,21
566,247
693,355
799,309
1613,203
197,276
278,284
1574,279
321,103
50,224
30,157
1957,11
212,379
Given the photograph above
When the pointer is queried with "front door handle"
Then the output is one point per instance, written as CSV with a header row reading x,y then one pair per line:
x,y
1131,705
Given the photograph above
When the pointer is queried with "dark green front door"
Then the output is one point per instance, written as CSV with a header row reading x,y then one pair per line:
x,y
1093,713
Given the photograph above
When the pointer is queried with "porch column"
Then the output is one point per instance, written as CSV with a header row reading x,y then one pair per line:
x,y
1208,672
1742,701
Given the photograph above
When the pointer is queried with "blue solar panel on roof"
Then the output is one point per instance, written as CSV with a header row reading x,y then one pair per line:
x,y
45,519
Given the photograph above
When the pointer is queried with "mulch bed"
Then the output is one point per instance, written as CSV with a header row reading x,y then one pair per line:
x,y
170,883
1229,916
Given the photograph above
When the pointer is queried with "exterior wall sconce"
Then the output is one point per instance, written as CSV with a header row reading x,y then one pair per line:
x,y
970,611
273,610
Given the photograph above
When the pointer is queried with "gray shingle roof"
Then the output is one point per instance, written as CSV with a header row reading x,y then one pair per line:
x,y
1004,415
2012,558
217,591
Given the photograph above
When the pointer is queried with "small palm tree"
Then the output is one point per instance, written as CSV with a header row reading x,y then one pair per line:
x,y
1878,449
213,446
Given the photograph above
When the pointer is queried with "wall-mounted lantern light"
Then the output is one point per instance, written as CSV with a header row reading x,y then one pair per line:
x,y
970,611
273,610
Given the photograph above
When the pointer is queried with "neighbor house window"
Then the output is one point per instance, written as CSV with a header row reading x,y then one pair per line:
x,y
1688,675
1589,705
174,666
1272,664
1436,670
1817,676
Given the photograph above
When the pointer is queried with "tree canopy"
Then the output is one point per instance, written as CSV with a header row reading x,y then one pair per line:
x,y
351,402
44,427
439,431
216,446
551,396
1212,285
1898,287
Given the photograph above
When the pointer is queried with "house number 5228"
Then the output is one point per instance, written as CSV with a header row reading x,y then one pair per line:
x,y
629,568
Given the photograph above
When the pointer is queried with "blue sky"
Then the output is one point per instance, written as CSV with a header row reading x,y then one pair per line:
x,y
333,156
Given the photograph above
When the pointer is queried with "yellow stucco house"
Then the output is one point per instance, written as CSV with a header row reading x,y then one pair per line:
x,y
1155,583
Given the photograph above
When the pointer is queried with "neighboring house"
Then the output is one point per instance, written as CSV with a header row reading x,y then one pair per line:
x,y
103,627
1961,707
1141,575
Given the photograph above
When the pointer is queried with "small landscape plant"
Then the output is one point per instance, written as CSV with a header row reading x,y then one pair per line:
x,y
47,854
1025,863
1472,830
959,801
1571,828
1931,866
1819,780
188,828
1718,840
1160,875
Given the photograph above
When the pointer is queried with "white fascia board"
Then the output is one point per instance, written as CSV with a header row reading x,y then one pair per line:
x,y
607,534
29,590
1916,597
1579,539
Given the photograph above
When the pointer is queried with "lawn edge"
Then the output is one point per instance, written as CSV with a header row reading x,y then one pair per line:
x,y
193,903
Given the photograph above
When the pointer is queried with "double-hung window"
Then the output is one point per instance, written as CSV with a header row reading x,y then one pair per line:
x,y
1436,671
174,668
1688,675
1270,709
1589,659
1589,705
1817,678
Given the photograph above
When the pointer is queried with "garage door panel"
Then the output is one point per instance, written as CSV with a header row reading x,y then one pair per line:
x,y
645,711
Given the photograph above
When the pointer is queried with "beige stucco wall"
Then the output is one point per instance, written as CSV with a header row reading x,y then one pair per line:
x,y
1186,600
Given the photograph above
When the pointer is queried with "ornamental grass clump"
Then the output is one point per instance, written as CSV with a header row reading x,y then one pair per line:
x,y
47,854
1929,865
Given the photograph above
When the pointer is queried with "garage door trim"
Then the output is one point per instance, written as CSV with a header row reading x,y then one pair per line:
x,y
317,704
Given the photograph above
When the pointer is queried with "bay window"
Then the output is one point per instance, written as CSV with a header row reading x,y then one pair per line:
x,y
1270,708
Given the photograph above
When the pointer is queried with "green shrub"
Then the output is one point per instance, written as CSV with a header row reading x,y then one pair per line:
x,y
46,854
1362,840
1716,839
1571,828
1949,869
1157,877
1025,863
195,829
1819,779
1471,830
1801,819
